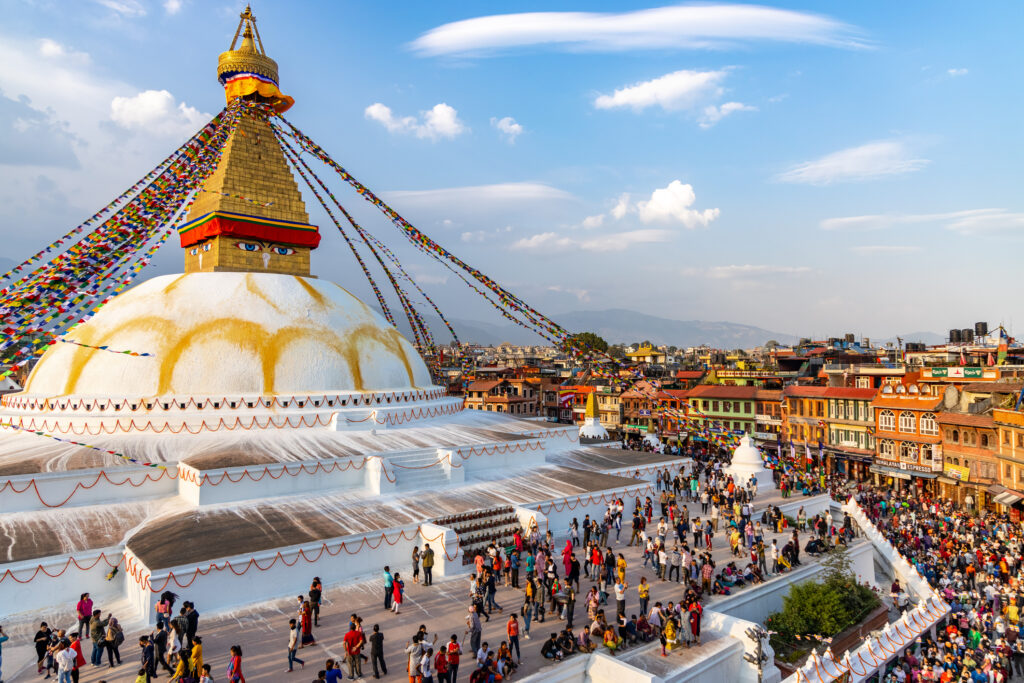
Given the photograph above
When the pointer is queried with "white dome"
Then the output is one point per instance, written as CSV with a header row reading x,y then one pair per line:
x,y
224,334
747,455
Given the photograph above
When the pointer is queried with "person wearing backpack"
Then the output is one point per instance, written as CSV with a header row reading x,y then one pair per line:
x,y
114,639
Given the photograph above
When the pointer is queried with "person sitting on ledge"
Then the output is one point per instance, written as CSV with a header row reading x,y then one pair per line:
x,y
566,642
644,628
583,642
550,649
611,641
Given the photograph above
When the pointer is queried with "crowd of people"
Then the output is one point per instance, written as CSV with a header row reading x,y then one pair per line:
x,y
975,560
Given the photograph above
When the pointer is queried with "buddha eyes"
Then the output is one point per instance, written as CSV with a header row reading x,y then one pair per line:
x,y
206,247
193,252
256,246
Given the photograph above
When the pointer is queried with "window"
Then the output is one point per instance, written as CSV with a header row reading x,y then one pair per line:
x,y
926,454
984,440
1020,440
887,421
746,407
886,449
714,406
908,451
928,424
971,438
832,408
907,422
956,436
838,410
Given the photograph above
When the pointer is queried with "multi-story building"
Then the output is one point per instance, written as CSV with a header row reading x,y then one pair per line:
x,y
768,416
803,421
907,437
731,407
851,423
502,396
969,461
637,412
1009,492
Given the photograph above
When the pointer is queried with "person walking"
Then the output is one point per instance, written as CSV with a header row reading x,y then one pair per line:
x,y
353,652
148,657
97,630
235,666
293,646
306,619
377,652
454,654
512,630
427,558
473,628
84,611
397,591
415,564
113,638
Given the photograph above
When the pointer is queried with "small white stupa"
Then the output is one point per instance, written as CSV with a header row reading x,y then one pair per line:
x,y
746,463
592,427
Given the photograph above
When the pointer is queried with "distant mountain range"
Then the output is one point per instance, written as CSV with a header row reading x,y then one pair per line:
x,y
618,326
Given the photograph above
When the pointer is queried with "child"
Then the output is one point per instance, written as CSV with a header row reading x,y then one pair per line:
x,y
207,677
141,678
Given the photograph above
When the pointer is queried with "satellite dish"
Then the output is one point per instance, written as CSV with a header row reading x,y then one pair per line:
x,y
951,398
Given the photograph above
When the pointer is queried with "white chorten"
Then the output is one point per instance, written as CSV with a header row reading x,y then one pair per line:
x,y
746,463
592,427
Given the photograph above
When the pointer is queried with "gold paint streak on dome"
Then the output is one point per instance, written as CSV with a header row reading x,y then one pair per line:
x,y
314,294
396,341
253,288
172,285
243,333
86,335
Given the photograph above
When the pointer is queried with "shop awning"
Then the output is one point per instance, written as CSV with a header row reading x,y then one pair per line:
x,y
889,471
947,480
1009,498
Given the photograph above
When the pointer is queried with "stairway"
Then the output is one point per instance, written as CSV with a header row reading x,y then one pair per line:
x,y
479,528
417,470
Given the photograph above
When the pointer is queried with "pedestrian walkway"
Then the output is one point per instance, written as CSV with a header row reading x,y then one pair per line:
x,y
262,629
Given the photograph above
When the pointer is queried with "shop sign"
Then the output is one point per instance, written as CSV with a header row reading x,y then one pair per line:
x,y
957,372
956,472
1014,515
907,466
765,436
645,413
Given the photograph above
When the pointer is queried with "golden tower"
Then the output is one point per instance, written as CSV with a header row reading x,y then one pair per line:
x,y
249,215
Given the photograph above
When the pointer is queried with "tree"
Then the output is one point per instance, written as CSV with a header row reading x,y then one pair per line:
x,y
771,344
617,351
591,341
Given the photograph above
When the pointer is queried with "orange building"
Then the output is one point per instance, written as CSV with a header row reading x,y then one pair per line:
x,y
969,462
804,410
907,441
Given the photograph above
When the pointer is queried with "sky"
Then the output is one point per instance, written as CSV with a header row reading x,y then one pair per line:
x,y
809,168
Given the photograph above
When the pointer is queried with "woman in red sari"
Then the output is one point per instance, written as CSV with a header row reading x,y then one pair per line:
x,y
306,619
235,665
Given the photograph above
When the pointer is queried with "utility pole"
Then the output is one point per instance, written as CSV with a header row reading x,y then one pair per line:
x,y
758,658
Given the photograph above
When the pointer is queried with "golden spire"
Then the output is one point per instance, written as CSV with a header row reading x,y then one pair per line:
x,y
591,410
250,57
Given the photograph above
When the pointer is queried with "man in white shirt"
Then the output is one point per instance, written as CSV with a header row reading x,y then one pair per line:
x,y
66,659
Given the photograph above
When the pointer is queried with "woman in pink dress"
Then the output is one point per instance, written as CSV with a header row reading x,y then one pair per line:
x,y
235,665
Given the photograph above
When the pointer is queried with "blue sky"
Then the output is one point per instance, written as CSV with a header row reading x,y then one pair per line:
x,y
808,172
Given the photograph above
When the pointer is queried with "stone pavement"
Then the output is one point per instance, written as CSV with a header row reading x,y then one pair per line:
x,y
262,629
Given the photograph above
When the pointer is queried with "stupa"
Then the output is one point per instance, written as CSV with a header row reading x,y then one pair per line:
x,y
276,428
748,463
592,427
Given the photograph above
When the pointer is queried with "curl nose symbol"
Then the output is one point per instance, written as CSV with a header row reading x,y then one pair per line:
x,y
266,260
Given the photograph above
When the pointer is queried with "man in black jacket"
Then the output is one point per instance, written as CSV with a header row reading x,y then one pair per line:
x,y
159,640
192,618
377,652
148,657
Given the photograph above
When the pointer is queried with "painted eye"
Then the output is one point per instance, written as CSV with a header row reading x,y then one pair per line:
x,y
193,252
283,251
247,246
206,247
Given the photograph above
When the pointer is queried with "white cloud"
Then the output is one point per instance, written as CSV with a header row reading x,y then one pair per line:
x,y
752,271
676,91
713,114
441,121
499,194
508,128
51,49
156,112
582,294
969,221
617,241
885,249
672,204
673,27
621,207
869,161
591,222
172,6
545,240
956,72
125,8
474,236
